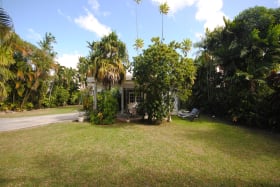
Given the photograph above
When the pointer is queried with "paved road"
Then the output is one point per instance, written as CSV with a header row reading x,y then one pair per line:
x,y
8,124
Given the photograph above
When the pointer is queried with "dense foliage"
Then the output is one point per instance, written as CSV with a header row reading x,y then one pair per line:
x,y
107,64
6,55
237,73
108,60
30,77
238,65
161,73
107,108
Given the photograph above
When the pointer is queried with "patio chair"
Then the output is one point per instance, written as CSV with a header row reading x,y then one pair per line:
x,y
189,115
132,108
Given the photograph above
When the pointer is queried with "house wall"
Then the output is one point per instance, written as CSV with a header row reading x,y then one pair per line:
x,y
127,87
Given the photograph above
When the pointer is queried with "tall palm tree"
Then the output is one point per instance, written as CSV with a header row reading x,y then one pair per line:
x,y
137,2
6,58
139,43
164,9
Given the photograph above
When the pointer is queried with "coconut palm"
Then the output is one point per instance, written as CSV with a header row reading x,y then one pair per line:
x,y
164,9
139,43
137,2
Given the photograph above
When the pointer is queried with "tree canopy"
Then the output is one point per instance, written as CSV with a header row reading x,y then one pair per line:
x,y
246,51
160,73
109,60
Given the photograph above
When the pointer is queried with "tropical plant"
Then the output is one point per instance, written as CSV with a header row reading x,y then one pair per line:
x,y
6,22
6,56
139,43
161,73
163,9
247,50
107,108
108,60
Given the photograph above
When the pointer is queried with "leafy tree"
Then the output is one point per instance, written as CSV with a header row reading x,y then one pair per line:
x,y
32,74
6,57
160,73
247,50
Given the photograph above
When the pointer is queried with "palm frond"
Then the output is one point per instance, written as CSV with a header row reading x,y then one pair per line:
x,y
5,20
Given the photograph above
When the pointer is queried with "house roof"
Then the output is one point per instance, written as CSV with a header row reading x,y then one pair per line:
x,y
128,83
128,76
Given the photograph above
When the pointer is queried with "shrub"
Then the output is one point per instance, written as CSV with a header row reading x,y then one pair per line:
x,y
107,107
29,106
75,98
62,96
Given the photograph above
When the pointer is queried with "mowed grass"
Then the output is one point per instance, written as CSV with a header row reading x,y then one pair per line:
x,y
182,153
47,111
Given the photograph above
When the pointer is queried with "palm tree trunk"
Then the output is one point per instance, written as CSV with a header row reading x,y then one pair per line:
x,y
95,96
27,95
162,28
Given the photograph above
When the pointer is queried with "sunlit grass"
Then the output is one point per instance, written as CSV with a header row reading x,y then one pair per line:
x,y
47,111
182,153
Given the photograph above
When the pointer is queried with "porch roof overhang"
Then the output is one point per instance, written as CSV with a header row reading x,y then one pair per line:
x,y
128,84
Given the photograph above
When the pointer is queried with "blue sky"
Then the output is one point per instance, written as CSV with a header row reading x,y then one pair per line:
x,y
74,22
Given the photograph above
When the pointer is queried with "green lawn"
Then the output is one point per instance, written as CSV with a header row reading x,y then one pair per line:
x,y
47,111
181,153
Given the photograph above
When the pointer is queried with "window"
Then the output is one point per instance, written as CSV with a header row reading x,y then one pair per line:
x,y
133,97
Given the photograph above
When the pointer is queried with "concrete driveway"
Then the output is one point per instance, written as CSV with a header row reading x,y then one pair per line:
x,y
8,124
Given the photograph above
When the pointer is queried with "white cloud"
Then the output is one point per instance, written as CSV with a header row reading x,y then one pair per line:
x,y
210,12
278,2
106,13
175,5
92,24
64,15
94,4
69,60
33,35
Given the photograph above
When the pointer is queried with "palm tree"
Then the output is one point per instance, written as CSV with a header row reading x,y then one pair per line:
x,y
5,20
6,58
109,57
163,8
137,2
108,61
47,44
139,43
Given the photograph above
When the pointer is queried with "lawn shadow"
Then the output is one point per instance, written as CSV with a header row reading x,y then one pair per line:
x,y
240,142
100,169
